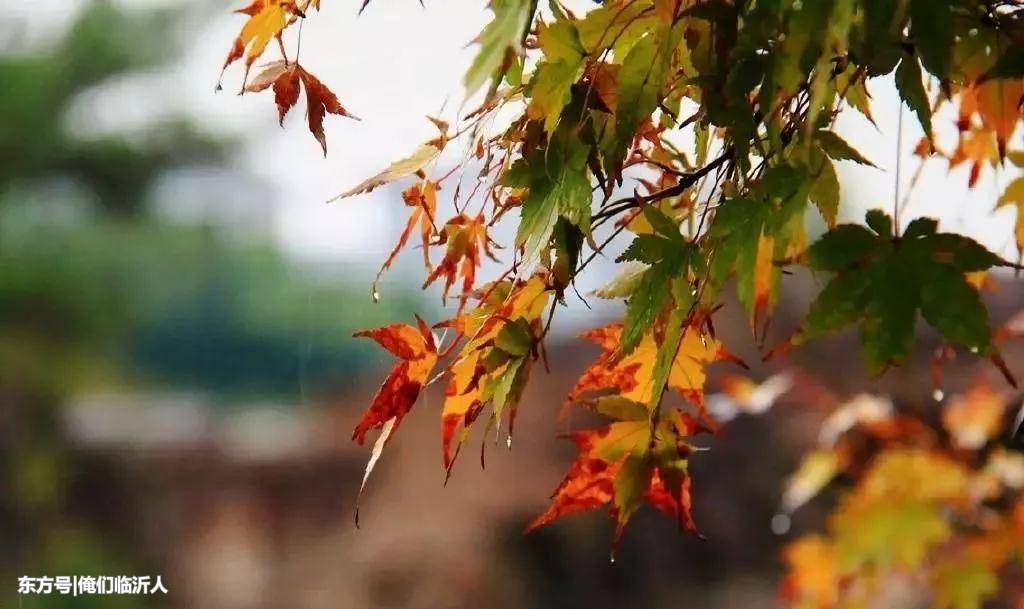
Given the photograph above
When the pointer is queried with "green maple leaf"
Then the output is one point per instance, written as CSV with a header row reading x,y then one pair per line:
x,y
497,40
559,187
910,84
551,85
883,281
669,257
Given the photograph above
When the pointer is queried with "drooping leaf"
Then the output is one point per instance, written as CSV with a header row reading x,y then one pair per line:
x,y
837,148
669,256
267,18
396,171
618,467
422,198
466,242
499,41
882,282
931,26
910,84
641,79
632,376
396,396
285,78
824,191
1014,195
493,365
559,187
749,235
553,78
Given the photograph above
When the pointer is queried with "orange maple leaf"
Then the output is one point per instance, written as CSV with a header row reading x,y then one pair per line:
x,y
422,198
623,466
267,19
632,376
472,385
977,146
285,78
465,239
396,396
997,104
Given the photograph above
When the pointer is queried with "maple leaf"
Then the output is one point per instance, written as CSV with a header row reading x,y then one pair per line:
x,y
641,79
895,516
396,396
499,42
400,390
910,85
813,579
267,18
494,364
632,376
670,258
408,166
750,234
562,66
978,146
997,104
622,466
465,240
320,101
559,187
1014,196
882,281
422,198
604,77
285,79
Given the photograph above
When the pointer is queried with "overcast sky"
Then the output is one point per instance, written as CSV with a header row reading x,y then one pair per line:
x,y
399,62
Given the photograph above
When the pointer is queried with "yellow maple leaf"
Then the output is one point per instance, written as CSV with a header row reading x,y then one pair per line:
x,y
632,376
895,515
1014,195
477,377
812,581
267,19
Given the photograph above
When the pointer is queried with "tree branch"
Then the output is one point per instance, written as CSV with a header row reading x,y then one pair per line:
x,y
685,182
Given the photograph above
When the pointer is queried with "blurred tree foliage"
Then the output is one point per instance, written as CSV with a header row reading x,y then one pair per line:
x,y
98,294
104,43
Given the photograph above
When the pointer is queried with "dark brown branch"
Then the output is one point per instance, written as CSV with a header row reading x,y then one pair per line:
x,y
686,181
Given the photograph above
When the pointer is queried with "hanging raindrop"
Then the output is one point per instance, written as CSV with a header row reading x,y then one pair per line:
x,y
780,524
